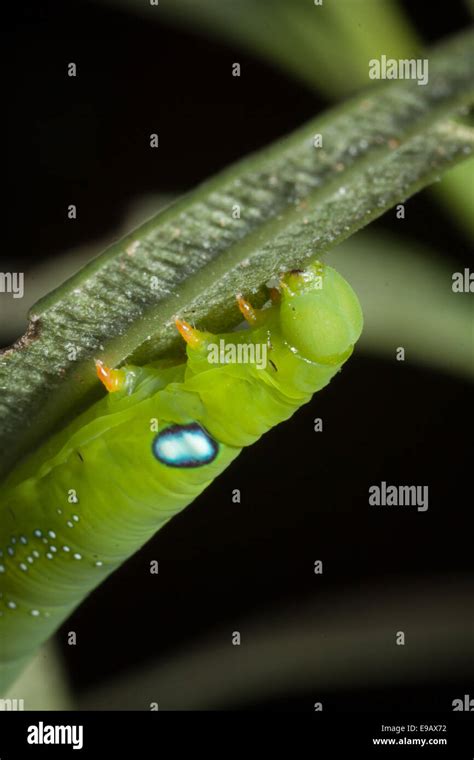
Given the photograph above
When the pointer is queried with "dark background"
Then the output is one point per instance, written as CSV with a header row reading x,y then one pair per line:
x,y
304,494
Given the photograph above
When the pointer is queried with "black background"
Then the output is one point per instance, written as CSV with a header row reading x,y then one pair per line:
x,y
304,494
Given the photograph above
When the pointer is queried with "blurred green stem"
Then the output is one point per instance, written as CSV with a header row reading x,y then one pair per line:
x,y
328,47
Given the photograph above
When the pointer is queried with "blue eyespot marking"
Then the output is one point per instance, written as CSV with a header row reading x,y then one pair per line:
x,y
185,446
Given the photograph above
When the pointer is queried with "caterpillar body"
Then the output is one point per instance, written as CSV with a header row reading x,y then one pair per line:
x,y
99,489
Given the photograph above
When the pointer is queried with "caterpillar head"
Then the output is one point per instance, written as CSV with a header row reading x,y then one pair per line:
x,y
320,314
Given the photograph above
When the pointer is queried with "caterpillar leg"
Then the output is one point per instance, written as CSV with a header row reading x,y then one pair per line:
x,y
275,295
194,338
247,310
113,379
197,339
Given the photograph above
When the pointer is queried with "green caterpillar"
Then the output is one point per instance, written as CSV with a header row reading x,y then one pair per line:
x,y
99,489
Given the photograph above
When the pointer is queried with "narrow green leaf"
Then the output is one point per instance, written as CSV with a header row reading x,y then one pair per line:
x,y
327,47
295,202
